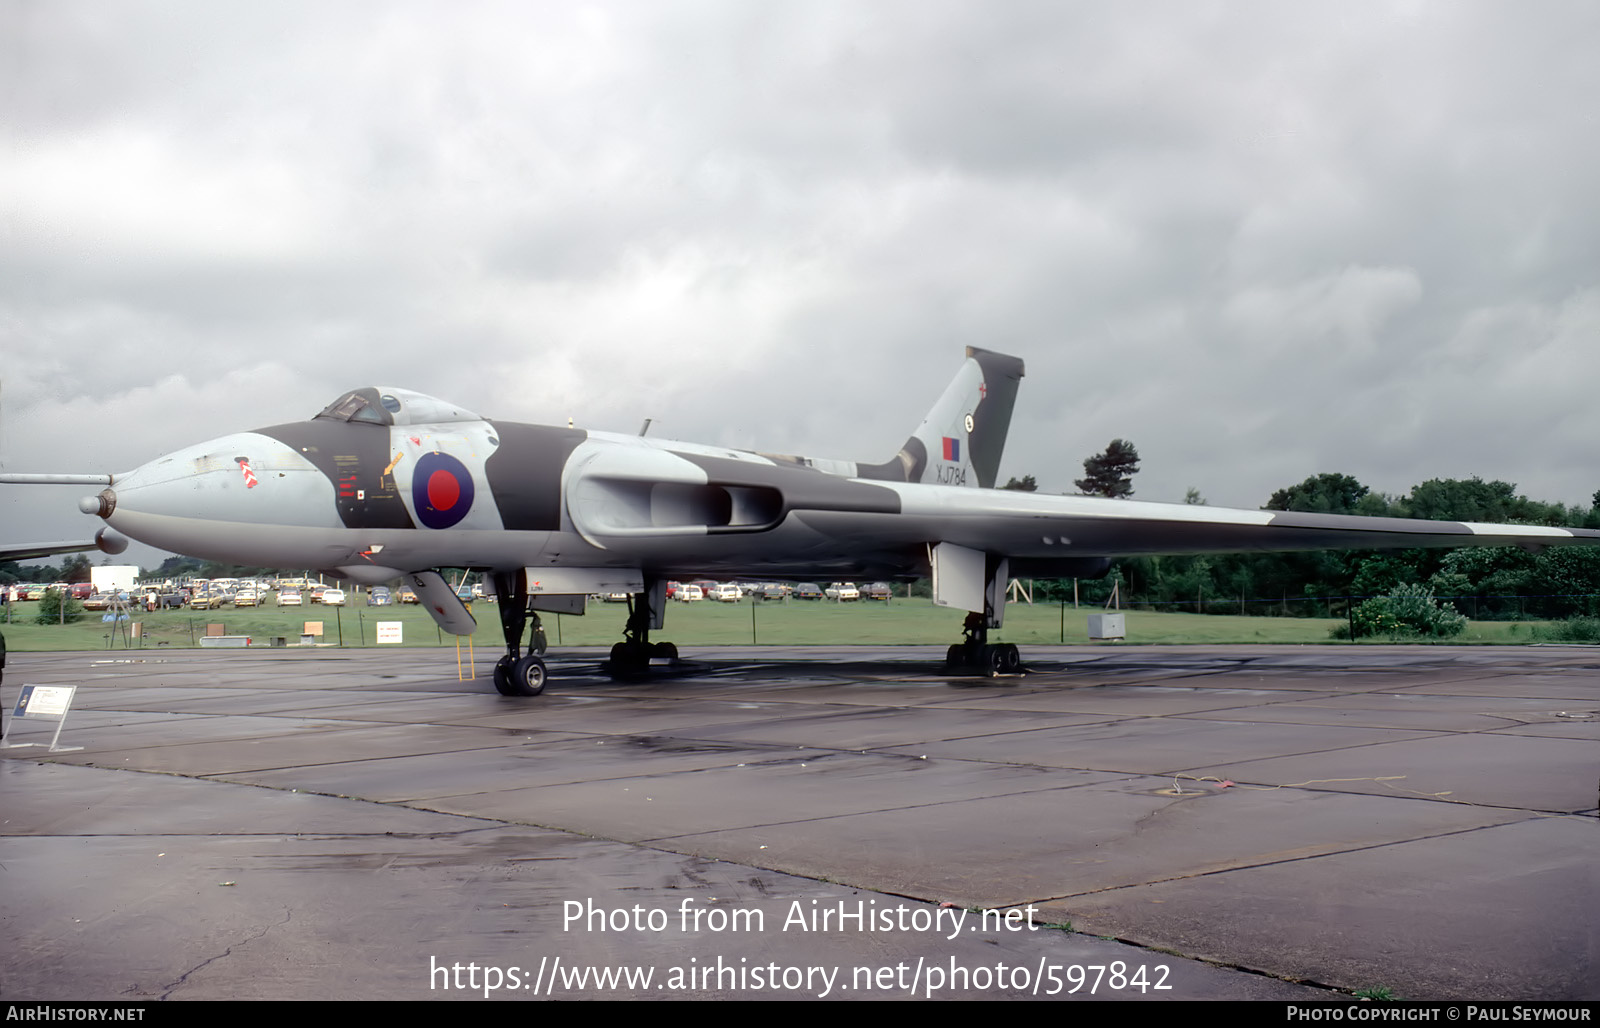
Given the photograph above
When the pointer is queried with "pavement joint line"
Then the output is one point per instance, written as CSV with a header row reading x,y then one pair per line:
x,y
218,776
1332,852
1212,961
1402,794
454,795
1228,965
913,742
863,813
490,823
342,834
1203,715
1146,774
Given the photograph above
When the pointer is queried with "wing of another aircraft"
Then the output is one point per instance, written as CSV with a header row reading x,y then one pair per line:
x,y
104,540
29,552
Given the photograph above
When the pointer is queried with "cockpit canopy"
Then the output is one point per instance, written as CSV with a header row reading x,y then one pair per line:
x,y
386,405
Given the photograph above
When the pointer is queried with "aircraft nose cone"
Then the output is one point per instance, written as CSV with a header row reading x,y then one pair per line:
x,y
100,505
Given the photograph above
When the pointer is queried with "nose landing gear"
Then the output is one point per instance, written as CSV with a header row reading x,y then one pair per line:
x,y
520,676
517,674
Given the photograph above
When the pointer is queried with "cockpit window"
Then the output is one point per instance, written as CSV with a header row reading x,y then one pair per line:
x,y
356,406
388,405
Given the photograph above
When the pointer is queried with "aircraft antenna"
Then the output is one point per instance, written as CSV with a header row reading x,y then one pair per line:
x,y
646,426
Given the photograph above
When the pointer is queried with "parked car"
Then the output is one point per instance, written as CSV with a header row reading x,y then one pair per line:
x,y
289,596
808,591
379,596
877,591
689,593
407,594
727,592
843,592
333,598
245,598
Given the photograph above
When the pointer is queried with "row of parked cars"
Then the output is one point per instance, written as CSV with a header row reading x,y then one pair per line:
x,y
211,596
206,598
733,592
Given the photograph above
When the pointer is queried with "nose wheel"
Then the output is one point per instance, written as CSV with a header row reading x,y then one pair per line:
x,y
516,673
520,676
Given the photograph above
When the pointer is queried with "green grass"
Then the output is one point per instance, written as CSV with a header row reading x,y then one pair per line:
x,y
795,623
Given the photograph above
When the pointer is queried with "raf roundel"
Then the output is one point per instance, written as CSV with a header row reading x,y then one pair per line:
x,y
441,490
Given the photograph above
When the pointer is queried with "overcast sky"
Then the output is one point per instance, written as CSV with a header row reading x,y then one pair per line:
x,y
1260,240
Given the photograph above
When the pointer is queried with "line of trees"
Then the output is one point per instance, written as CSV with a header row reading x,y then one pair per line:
x,y
75,568
1558,582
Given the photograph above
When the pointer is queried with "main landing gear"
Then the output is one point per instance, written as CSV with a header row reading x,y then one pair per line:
x,y
517,674
976,653
634,652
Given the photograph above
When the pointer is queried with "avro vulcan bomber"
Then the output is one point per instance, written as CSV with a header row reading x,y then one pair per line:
x,y
387,483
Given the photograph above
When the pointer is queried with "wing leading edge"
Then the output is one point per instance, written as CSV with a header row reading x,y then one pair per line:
x,y
1027,525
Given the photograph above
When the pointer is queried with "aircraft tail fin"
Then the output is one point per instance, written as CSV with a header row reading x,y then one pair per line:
x,y
961,440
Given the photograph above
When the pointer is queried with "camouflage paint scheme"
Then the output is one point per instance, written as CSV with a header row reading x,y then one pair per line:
x,y
386,482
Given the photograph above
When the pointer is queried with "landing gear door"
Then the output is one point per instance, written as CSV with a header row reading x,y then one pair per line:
x,y
442,602
658,603
565,590
569,603
969,579
994,594
584,581
958,577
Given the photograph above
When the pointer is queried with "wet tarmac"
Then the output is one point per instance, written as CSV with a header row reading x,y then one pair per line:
x,y
1219,822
